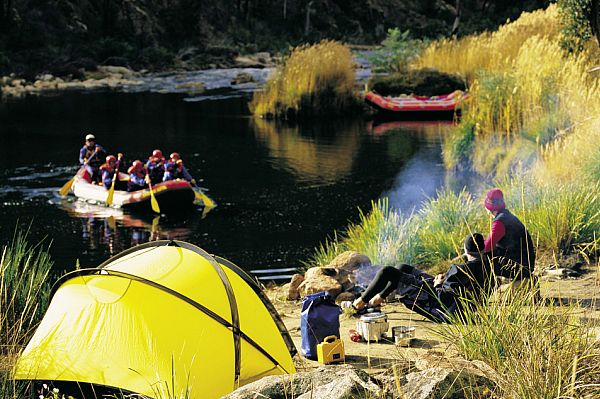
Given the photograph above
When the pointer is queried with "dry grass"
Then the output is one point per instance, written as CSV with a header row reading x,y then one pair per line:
x,y
526,92
537,351
313,80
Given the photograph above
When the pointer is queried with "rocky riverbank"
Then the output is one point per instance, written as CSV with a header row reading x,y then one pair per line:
x,y
244,72
427,368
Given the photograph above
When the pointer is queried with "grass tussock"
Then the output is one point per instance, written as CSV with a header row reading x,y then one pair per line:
x,y
24,295
431,236
536,351
314,80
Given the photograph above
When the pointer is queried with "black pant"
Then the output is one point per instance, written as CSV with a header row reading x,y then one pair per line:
x,y
415,286
390,278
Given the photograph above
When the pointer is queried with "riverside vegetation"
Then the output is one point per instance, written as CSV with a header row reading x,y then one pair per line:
x,y
532,127
24,296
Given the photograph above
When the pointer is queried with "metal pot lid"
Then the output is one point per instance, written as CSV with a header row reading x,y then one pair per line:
x,y
373,316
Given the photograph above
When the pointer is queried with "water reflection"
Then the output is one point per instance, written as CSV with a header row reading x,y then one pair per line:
x,y
114,230
382,127
321,152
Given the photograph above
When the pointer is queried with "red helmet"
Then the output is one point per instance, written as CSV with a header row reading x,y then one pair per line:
x,y
174,156
111,158
157,153
137,164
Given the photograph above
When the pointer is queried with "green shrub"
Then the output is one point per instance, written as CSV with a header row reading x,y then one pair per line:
x,y
156,57
397,51
385,236
575,15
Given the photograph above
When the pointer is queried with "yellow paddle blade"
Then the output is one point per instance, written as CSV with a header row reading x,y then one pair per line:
x,y
154,202
208,203
111,191
111,194
67,187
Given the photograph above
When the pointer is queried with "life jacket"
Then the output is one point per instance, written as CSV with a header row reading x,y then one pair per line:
x,y
155,169
108,173
107,167
93,155
516,245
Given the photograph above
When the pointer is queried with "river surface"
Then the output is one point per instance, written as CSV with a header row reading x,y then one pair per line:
x,y
281,189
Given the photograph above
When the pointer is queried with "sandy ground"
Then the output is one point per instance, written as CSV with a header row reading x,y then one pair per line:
x,y
375,357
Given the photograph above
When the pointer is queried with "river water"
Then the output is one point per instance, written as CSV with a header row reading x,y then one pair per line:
x,y
281,189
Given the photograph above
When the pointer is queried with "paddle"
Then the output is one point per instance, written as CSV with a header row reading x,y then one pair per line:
x,y
153,201
67,187
111,191
208,203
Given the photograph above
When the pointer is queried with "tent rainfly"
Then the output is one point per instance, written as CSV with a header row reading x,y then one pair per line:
x,y
162,319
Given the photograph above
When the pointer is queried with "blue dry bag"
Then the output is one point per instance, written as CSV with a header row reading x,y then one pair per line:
x,y
320,318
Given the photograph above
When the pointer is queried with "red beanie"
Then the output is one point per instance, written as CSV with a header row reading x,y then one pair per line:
x,y
494,200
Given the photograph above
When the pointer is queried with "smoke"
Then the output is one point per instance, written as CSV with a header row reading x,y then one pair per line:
x,y
419,180
364,274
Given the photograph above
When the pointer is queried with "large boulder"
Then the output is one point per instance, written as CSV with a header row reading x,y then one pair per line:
x,y
293,293
347,264
319,283
441,382
316,272
331,382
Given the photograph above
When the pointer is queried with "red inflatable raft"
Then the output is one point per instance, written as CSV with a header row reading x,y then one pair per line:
x,y
444,104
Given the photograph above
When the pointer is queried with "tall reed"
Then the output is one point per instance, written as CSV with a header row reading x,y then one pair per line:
x,y
314,80
526,91
536,351
24,295
386,236
445,221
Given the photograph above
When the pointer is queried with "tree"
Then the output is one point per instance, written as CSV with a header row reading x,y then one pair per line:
x,y
595,19
581,22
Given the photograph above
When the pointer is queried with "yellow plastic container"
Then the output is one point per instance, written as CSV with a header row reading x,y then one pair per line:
x,y
331,350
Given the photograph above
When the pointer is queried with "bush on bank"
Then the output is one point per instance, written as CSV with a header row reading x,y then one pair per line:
x,y
313,81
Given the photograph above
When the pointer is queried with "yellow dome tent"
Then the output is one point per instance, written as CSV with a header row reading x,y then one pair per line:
x,y
162,319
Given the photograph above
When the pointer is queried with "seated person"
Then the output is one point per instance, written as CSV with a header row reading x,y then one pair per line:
x,y
174,169
436,298
137,176
90,157
509,243
107,171
156,166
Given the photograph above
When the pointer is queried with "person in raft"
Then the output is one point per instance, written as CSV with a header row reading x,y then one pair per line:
x,y
437,298
174,169
509,244
108,171
137,176
91,156
156,166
